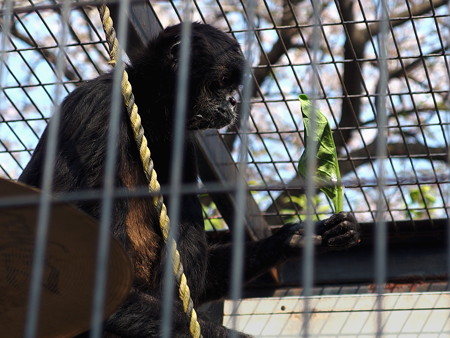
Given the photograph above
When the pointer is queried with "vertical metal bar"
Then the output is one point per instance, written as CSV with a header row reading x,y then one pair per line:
x,y
109,182
380,222
447,187
176,168
5,29
311,150
238,253
35,292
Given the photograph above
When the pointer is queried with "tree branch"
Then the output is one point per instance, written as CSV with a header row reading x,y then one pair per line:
x,y
266,60
352,75
279,48
405,16
356,40
403,72
417,150
49,56
405,112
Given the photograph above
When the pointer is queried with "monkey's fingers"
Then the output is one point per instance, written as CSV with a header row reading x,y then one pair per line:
x,y
345,234
339,218
344,241
335,220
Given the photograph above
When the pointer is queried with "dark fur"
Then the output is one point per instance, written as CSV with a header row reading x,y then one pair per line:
x,y
215,73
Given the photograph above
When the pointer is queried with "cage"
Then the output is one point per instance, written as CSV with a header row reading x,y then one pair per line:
x,y
379,73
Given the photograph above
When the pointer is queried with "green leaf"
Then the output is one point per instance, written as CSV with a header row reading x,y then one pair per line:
x,y
327,173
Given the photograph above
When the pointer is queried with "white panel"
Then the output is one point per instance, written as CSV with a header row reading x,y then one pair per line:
x,y
404,315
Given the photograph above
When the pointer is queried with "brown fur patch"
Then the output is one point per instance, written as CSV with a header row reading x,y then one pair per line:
x,y
144,242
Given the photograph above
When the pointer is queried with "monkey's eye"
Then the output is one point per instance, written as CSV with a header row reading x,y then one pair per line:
x,y
224,82
175,51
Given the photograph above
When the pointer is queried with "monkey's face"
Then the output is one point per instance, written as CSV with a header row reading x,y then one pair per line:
x,y
216,67
215,103
214,86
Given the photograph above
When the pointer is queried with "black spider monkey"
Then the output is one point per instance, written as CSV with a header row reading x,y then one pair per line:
x,y
216,71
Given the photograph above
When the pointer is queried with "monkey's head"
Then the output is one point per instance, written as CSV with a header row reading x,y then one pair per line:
x,y
215,73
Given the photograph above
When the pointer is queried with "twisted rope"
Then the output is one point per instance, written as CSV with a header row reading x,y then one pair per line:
x,y
147,163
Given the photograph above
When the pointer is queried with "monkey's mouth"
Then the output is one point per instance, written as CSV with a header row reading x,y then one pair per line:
x,y
222,116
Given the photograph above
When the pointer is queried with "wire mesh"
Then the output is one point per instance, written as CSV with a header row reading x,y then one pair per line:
x,y
417,93
293,49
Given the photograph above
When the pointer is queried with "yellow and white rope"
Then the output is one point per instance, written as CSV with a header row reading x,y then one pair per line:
x,y
147,163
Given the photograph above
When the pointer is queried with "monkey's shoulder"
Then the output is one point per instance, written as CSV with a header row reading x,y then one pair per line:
x,y
91,90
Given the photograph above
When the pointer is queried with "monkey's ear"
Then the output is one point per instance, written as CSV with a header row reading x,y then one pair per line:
x,y
174,52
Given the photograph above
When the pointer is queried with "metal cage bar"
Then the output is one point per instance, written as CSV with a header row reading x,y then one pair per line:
x,y
390,119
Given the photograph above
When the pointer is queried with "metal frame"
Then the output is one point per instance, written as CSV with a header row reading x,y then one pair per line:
x,y
418,250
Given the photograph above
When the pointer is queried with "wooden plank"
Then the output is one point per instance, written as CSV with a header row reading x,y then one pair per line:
x,y
405,263
143,25
217,167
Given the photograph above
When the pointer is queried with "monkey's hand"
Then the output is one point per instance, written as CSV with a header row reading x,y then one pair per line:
x,y
340,231
290,240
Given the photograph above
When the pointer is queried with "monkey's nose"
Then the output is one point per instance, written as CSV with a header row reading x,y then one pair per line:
x,y
232,101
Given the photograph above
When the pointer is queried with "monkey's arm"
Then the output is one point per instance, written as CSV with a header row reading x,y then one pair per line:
x,y
340,231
